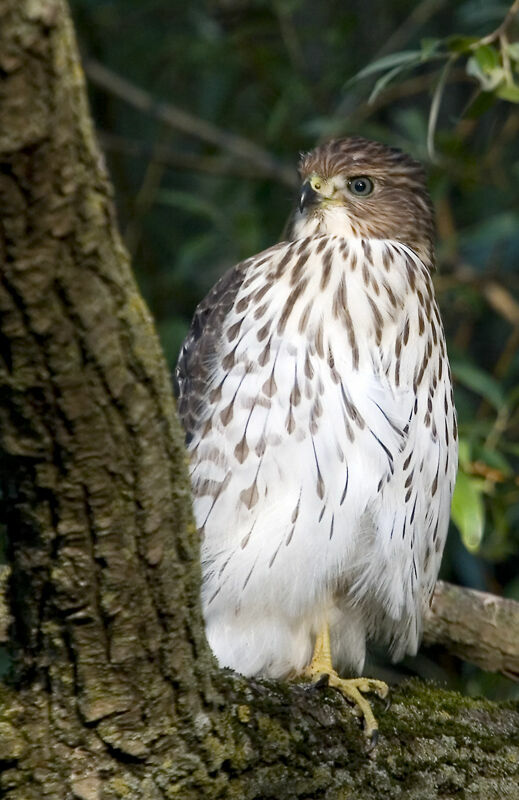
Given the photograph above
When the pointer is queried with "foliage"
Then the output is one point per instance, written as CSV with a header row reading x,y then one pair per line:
x,y
493,60
438,79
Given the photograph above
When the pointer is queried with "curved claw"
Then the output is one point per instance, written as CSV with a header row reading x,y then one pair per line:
x,y
322,681
372,740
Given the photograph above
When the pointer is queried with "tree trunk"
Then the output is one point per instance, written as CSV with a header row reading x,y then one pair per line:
x,y
116,694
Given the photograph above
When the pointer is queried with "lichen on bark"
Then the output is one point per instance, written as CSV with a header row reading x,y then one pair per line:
x,y
115,693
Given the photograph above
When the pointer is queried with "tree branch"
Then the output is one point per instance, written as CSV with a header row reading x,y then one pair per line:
x,y
475,626
503,27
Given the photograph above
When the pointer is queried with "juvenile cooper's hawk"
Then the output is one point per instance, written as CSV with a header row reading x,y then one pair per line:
x,y
315,392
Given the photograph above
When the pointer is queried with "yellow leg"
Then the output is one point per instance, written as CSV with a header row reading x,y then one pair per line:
x,y
352,688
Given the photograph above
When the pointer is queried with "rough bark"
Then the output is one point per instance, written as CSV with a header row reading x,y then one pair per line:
x,y
115,692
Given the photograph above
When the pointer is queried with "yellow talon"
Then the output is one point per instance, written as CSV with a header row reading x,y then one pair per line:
x,y
351,688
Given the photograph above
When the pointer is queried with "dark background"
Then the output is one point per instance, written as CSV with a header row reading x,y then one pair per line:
x,y
276,73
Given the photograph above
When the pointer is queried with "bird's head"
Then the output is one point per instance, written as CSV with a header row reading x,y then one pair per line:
x,y
356,187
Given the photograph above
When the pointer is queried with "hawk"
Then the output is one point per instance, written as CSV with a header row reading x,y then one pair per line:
x,y
315,392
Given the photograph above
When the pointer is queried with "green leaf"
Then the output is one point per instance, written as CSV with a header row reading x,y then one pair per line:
x,y
464,452
429,47
408,57
461,44
479,381
513,50
487,57
509,92
435,105
468,510
383,81
489,80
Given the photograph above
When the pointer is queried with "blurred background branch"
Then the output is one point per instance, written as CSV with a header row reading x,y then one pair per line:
x,y
178,119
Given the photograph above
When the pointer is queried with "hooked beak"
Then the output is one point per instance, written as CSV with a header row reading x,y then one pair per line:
x,y
307,197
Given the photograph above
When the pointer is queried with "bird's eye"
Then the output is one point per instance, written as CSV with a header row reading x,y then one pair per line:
x,y
361,186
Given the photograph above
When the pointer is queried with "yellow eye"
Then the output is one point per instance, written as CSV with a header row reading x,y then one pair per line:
x,y
361,185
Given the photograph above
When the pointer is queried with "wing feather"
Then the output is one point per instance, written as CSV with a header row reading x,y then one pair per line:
x,y
200,347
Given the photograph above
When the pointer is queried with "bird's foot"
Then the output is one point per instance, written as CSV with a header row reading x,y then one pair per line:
x,y
353,689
